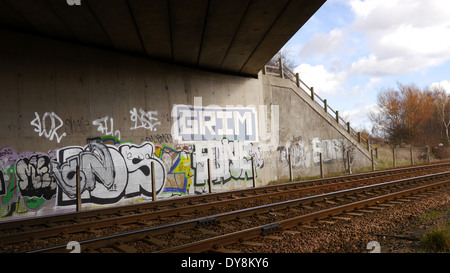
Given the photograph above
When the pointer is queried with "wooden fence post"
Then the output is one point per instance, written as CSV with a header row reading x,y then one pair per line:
x,y
348,162
291,175
393,157
280,62
209,176
253,173
78,188
321,166
373,162
153,182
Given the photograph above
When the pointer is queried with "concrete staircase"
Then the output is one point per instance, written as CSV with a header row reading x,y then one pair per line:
x,y
280,75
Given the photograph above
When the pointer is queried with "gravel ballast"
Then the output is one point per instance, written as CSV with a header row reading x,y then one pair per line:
x,y
396,229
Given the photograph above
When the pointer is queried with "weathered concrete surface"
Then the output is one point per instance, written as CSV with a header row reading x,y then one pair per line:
x,y
57,95
236,36
305,130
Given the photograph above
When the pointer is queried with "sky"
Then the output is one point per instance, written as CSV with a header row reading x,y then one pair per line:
x,y
351,49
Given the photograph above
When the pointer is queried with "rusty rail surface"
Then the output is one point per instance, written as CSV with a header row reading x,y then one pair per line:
x,y
228,239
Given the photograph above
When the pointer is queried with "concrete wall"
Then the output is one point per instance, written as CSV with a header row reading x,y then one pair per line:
x,y
305,131
57,97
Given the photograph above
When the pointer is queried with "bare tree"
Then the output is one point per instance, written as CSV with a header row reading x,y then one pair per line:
x,y
403,114
288,60
442,100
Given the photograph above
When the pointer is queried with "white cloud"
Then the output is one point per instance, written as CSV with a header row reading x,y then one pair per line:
x,y
323,81
443,84
323,43
404,35
379,38
387,37
359,118
372,82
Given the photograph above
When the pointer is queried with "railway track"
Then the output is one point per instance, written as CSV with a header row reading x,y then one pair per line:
x,y
54,226
56,229
216,230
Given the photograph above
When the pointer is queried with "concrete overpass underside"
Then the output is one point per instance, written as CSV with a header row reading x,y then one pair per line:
x,y
232,36
100,87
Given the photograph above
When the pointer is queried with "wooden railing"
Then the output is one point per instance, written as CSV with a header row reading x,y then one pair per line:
x,y
276,68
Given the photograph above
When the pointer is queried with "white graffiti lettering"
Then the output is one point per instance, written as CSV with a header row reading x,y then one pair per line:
x,y
144,119
73,2
102,124
107,173
299,152
51,131
228,160
330,149
197,123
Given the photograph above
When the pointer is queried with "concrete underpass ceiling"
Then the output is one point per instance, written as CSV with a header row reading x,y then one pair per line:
x,y
232,36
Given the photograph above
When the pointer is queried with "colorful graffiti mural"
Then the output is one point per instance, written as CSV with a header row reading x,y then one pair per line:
x,y
188,171
107,173
112,171
179,174
26,183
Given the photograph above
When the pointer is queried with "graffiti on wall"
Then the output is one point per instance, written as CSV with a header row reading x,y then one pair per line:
x,y
331,149
48,126
113,171
180,175
158,138
76,126
299,153
194,123
34,176
105,125
51,126
107,173
229,160
303,153
25,181
144,119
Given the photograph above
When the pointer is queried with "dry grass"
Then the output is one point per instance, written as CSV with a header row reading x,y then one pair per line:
x,y
437,239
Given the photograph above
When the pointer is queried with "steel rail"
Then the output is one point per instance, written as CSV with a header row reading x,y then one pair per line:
x,y
228,239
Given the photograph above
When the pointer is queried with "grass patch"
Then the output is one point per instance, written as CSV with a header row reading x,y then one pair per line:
x,y
437,239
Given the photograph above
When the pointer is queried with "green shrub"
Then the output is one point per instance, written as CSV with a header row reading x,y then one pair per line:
x,y
437,239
